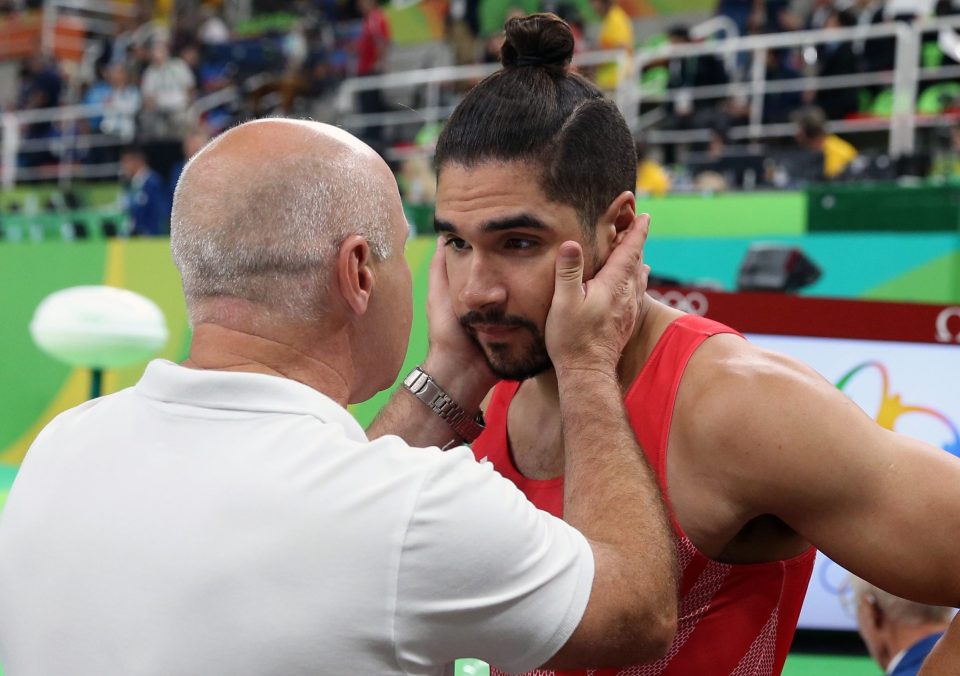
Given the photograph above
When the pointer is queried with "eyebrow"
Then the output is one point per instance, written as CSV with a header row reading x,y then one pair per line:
x,y
520,222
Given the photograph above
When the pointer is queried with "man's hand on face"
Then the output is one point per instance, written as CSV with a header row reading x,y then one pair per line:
x,y
451,348
589,324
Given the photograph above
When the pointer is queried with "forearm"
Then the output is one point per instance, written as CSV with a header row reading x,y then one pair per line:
x,y
413,421
606,474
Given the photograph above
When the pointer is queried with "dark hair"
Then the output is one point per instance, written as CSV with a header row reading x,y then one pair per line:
x,y
812,122
534,110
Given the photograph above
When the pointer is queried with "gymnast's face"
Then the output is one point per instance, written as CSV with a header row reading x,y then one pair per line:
x,y
501,236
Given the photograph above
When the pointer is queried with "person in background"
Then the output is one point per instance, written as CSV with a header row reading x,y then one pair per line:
x,y
372,49
812,134
122,103
168,88
147,199
835,59
899,634
652,178
616,32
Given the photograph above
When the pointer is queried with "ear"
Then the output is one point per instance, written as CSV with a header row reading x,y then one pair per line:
x,y
355,276
878,618
616,219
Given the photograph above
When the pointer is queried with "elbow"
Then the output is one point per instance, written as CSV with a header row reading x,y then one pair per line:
x,y
648,633
661,629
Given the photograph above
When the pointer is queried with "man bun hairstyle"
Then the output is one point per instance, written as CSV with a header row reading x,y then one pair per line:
x,y
537,40
536,110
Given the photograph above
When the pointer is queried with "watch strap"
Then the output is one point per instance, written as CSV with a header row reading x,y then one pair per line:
x,y
425,388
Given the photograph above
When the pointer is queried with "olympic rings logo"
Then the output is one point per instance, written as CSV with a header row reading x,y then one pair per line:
x,y
693,302
944,334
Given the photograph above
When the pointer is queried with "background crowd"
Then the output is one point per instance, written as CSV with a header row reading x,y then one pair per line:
x,y
163,86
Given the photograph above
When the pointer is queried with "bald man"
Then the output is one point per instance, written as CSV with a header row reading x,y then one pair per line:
x,y
228,516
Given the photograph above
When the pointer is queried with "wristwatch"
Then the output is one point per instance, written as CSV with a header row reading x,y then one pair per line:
x,y
425,388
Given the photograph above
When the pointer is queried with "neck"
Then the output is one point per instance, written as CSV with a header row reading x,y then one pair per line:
x,y
902,637
220,348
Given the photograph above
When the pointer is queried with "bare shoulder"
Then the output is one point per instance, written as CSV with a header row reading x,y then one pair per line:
x,y
744,407
730,379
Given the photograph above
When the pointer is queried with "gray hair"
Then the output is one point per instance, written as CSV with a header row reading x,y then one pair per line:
x,y
900,610
269,233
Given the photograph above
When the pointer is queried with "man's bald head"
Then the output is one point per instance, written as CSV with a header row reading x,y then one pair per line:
x,y
260,212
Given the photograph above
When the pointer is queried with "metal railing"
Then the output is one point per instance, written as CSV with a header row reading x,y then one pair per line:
x,y
63,148
904,79
751,87
436,89
98,17
429,83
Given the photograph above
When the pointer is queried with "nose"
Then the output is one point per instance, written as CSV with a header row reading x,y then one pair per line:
x,y
484,288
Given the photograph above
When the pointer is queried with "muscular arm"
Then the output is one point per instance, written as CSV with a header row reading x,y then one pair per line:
x,y
611,496
408,417
781,440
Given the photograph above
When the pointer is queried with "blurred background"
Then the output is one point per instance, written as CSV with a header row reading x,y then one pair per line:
x,y
800,159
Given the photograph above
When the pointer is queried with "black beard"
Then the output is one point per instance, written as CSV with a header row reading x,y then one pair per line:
x,y
532,363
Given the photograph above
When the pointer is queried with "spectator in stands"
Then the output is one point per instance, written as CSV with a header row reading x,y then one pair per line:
x,y
616,32
652,178
818,14
898,633
40,83
122,103
812,135
213,31
147,199
690,72
40,87
168,88
372,49
946,163
838,58
738,11
778,106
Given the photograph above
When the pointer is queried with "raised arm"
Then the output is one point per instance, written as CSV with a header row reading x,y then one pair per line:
x,y
610,494
782,440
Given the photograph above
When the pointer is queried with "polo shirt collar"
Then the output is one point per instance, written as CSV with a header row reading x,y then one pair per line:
x,y
231,390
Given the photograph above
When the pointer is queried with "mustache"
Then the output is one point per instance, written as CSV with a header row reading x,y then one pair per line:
x,y
496,318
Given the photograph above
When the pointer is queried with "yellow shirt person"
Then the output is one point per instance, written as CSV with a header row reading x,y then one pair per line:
x,y
616,32
652,179
837,155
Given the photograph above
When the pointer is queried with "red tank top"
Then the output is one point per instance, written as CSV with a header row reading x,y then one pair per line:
x,y
732,619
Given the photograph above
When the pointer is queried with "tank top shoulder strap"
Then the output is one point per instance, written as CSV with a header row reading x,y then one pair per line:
x,y
652,395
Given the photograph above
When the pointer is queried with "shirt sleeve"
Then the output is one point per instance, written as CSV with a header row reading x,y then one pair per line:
x,y
485,574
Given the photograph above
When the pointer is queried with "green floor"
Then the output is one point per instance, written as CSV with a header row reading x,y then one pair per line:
x,y
828,665
797,665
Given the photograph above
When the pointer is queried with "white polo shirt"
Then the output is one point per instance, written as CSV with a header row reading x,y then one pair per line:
x,y
207,522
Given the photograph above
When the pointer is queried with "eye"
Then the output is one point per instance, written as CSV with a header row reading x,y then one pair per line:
x,y
519,243
456,244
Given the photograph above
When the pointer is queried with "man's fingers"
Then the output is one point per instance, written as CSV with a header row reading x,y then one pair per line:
x,y
625,258
438,268
569,270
